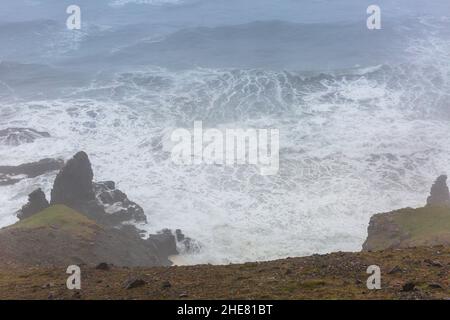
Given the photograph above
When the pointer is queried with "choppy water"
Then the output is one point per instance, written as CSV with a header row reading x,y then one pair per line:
x,y
364,119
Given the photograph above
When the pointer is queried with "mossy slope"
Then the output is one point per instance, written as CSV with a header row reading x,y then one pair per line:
x,y
427,226
62,218
61,236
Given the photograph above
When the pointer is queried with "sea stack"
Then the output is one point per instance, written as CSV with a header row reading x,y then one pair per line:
x,y
73,184
36,203
439,195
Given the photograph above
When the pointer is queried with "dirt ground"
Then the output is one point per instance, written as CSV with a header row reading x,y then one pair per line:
x,y
417,273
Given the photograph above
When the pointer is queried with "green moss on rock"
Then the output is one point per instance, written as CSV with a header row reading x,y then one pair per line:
x,y
409,227
62,218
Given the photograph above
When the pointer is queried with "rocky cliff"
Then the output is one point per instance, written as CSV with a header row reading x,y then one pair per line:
x,y
84,222
427,226
61,236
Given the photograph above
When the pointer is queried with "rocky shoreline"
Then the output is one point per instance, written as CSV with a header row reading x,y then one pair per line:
x,y
112,212
105,209
409,227
93,224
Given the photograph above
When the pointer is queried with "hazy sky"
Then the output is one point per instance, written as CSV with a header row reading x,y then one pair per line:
x,y
215,12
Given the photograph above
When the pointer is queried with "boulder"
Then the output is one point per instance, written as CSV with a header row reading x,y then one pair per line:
x,y
117,205
36,203
17,136
134,282
102,266
164,242
13,174
169,243
439,195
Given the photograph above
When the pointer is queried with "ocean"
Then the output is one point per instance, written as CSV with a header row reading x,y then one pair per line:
x,y
363,115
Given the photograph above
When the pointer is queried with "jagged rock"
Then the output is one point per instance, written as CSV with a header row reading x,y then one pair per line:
x,y
168,242
36,203
73,184
164,242
13,174
116,203
17,136
73,187
100,201
111,209
180,236
440,194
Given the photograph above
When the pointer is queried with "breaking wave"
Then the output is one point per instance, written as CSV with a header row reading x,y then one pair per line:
x,y
353,143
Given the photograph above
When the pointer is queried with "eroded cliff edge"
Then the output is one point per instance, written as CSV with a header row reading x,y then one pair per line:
x,y
406,228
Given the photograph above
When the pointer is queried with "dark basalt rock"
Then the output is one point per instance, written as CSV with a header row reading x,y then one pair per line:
x,y
110,208
73,187
13,174
164,242
17,136
73,184
168,242
440,194
36,203
116,203
101,201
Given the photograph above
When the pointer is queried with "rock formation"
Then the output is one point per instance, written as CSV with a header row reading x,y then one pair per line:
x,y
17,136
36,203
410,227
101,201
164,242
110,214
73,184
60,236
439,195
116,203
13,174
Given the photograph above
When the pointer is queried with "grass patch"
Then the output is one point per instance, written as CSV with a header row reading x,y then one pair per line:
x,y
424,223
62,218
